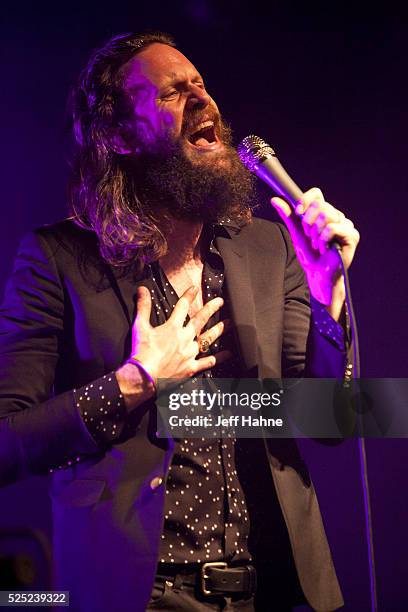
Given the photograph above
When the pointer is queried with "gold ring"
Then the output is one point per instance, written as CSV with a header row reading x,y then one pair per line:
x,y
203,346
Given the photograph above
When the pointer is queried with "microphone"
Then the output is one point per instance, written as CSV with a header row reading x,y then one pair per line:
x,y
260,159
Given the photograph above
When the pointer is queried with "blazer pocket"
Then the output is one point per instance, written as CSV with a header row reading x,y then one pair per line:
x,y
78,493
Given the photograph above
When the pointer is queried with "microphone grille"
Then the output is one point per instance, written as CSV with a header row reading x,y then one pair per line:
x,y
252,150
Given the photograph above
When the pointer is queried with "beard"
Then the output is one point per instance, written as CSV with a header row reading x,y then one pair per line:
x,y
199,186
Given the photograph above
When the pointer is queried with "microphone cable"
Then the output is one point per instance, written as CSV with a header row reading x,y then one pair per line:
x,y
361,444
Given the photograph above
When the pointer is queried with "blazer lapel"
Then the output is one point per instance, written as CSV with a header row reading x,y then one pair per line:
x,y
124,290
125,287
241,302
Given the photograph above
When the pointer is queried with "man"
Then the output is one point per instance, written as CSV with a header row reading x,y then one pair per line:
x,y
162,221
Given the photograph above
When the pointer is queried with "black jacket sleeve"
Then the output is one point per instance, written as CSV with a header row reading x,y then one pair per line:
x,y
38,432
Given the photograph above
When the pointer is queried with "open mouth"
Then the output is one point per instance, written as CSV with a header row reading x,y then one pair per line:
x,y
204,135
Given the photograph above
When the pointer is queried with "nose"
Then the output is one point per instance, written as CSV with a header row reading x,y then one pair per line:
x,y
198,97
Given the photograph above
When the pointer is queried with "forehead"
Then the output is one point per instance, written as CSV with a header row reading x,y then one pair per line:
x,y
157,64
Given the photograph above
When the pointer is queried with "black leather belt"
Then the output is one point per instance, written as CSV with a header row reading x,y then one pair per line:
x,y
214,578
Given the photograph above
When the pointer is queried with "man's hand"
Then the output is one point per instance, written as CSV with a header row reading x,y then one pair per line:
x,y
313,225
170,350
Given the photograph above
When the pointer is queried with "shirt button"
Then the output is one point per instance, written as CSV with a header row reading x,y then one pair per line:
x,y
156,482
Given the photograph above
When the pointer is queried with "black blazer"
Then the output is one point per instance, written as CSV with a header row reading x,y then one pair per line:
x,y
66,322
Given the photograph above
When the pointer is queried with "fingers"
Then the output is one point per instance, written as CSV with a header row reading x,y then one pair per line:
x,y
206,363
314,224
344,232
180,311
285,211
315,215
211,335
199,320
283,208
311,196
143,305
307,209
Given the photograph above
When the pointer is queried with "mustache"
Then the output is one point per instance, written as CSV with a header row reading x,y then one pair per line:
x,y
197,116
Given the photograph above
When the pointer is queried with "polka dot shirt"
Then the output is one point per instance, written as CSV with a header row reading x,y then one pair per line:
x,y
206,518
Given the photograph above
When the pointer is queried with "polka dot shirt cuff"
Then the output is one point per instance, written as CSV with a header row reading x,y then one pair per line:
x,y
102,408
326,325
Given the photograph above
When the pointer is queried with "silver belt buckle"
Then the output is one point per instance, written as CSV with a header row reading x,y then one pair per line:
x,y
204,576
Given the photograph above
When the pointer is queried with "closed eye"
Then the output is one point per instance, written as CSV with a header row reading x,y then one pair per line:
x,y
169,95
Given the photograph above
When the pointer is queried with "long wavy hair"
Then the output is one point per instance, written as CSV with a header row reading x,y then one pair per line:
x,y
103,193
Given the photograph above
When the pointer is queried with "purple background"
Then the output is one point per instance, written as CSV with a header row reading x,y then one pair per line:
x,y
327,88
